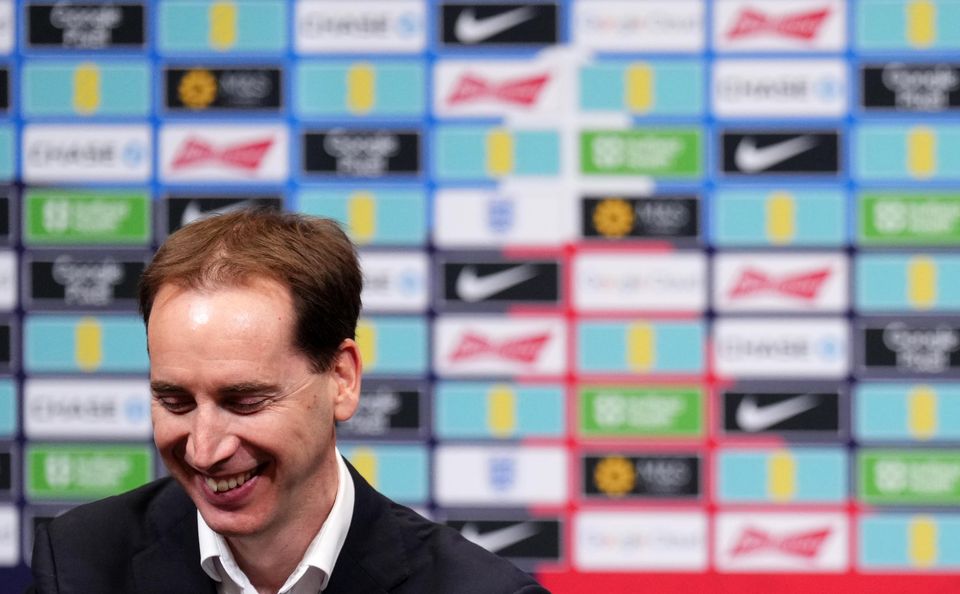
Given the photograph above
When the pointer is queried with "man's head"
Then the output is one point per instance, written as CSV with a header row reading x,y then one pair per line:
x,y
311,256
250,319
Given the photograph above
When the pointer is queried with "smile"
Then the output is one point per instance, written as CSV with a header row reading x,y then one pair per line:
x,y
226,484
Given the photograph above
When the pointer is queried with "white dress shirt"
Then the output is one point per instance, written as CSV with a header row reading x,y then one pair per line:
x,y
311,574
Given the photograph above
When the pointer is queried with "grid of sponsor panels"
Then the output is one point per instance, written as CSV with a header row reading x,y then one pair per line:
x,y
657,291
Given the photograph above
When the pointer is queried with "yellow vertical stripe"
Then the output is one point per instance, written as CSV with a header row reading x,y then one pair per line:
x,y
361,88
922,282
362,216
921,152
86,88
921,23
781,218
922,539
365,461
500,158
641,347
223,25
88,344
922,405
782,476
638,87
367,341
502,410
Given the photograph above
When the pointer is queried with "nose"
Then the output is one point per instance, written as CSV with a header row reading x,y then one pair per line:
x,y
211,442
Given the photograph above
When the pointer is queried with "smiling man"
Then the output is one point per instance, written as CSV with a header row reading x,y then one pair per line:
x,y
250,328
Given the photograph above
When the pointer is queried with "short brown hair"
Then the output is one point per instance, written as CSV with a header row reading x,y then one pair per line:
x,y
311,256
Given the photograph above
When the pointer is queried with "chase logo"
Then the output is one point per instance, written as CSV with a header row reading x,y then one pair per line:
x,y
360,89
222,26
909,542
924,25
84,344
393,345
640,347
917,282
60,88
374,216
335,27
673,88
398,471
394,281
907,412
750,217
909,153
215,89
798,475
477,153
478,410
87,26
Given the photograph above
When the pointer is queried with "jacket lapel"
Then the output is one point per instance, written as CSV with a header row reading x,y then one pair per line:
x,y
373,557
172,563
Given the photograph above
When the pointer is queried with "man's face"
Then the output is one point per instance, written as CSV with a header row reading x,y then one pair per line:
x,y
240,417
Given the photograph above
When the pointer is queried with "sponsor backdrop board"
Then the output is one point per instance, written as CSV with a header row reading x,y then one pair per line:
x,y
660,294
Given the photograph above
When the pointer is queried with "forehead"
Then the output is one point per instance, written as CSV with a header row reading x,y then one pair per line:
x,y
257,306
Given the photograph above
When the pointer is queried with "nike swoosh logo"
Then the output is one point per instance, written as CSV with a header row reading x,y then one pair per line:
x,y
472,288
192,212
470,29
750,159
497,540
752,418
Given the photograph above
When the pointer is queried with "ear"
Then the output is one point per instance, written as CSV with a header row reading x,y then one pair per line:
x,y
346,372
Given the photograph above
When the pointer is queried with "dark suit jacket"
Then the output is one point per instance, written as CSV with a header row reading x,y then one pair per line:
x,y
145,541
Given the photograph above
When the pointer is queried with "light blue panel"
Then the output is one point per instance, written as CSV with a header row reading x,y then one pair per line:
x,y
49,89
882,25
460,153
602,347
401,346
739,217
8,409
885,541
259,26
322,90
821,476
677,87
883,284
880,152
7,148
462,410
882,411
400,215
50,344
401,472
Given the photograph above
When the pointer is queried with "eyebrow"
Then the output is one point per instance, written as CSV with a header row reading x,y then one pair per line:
x,y
237,389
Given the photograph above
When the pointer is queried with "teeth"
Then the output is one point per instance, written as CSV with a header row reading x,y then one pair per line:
x,y
219,486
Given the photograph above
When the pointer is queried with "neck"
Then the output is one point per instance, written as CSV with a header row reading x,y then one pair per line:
x,y
269,558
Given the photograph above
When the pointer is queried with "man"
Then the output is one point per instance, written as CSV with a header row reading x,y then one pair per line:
x,y
250,322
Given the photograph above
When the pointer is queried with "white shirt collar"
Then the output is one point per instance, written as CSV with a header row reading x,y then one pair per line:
x,y
217,560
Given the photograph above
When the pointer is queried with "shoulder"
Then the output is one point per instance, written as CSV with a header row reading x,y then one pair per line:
x,y
124,519
452,559
401,551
